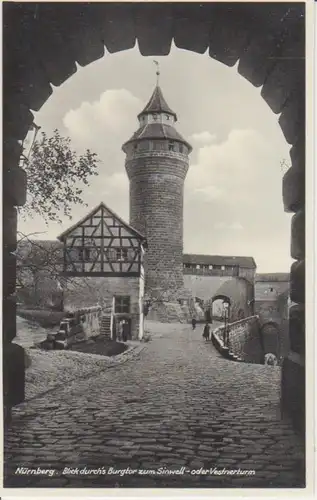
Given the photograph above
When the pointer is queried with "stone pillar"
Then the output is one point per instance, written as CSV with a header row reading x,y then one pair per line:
x,y
14,194
293,370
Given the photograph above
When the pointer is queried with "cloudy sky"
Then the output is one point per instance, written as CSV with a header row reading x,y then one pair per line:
x,y
233,203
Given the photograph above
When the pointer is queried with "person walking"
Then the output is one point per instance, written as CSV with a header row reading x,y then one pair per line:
x,y
120,330
206,332
194,321
125,330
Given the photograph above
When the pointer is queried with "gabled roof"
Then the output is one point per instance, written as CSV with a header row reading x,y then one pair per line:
x,y
93,212
157,104
219,260
158,131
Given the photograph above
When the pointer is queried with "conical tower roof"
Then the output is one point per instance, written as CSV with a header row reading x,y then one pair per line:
x,y
157,104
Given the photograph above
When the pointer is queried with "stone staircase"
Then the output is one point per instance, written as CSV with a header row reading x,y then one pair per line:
x,y
219,345
105,326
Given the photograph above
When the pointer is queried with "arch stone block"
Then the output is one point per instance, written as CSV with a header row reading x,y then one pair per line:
x,y
16,181
298,235
297,152
292,119
293,189
118,26
282,81
297,329
154,38
17,118
192,27
297,282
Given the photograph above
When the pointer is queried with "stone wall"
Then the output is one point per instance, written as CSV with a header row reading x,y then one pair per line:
x,y
203,287
240,292
89,291
245,340
156,210
269,288
90,320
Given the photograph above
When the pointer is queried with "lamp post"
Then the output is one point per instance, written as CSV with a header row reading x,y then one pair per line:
x,y
226,311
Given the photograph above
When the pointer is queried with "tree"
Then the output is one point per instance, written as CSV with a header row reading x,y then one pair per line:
x,y
55,177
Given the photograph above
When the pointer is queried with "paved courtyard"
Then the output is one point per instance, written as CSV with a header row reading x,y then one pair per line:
x,y
177,415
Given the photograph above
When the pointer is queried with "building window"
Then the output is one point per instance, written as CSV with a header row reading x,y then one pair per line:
x,y
135,147
84,254
171,146
197,266
210,267
122,254
271,289
223,268
122,305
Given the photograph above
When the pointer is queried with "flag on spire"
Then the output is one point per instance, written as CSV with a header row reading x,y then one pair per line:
x,y
157,71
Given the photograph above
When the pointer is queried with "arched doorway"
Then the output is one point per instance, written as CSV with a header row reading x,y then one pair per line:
x,y
44,42
220,308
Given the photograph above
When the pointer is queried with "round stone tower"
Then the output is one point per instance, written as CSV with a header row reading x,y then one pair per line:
x,y
157,164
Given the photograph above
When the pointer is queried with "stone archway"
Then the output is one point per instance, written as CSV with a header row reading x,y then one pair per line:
x,y
216,310
43,43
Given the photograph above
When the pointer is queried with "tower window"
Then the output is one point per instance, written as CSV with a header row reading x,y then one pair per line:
x,y
171,146
136,147
181,148
167,117
155,117
122,305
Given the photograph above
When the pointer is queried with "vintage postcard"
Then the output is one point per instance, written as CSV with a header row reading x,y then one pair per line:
x,y
155,157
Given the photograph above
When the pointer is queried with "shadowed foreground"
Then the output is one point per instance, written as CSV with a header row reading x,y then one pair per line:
x,y
178,406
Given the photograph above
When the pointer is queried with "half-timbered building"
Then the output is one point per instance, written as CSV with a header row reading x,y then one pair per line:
x,y
103,264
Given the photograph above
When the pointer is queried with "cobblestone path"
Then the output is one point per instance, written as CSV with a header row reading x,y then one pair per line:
x,y
179,404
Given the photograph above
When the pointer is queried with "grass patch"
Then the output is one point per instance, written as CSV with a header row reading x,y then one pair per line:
x,y
100,346
42,317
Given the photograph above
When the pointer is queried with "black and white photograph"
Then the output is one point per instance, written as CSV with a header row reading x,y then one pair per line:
x,y
154,159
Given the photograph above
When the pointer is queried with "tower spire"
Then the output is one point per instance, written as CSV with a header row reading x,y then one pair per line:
x,y
157,72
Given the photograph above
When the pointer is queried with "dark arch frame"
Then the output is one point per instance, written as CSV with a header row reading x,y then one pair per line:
x,y
43,42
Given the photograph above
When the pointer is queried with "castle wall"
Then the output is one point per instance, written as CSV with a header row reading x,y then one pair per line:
x,y
203,287
240,292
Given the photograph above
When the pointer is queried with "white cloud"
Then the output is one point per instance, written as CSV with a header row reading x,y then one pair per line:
x,y
104,125
203,137
230,166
